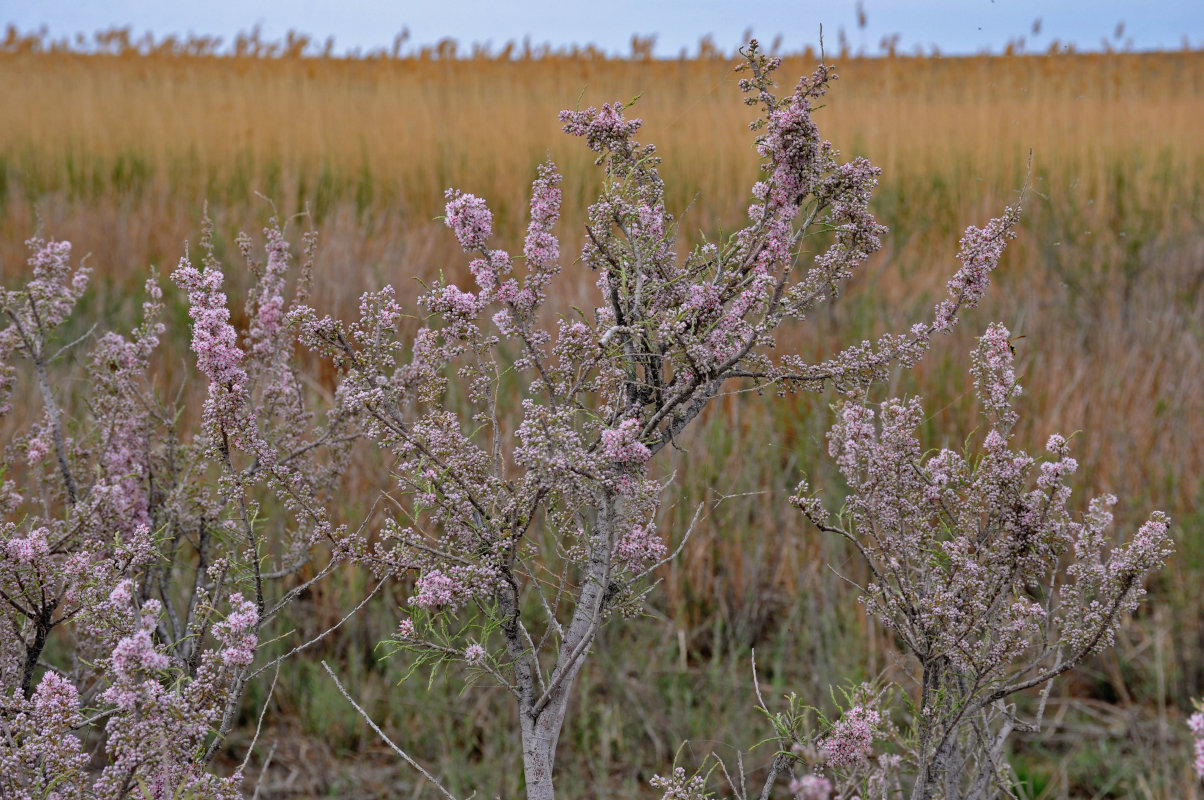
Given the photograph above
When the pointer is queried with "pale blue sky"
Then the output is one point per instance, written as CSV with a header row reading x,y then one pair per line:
x,y
955,26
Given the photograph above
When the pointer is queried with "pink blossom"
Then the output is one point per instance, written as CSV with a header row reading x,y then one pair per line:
x,y
29,550
451,587
995,376
38,447
57,700
215,343
640,547
604,129
622,444
541,247
137,653
811,787
237,632
851,739
469,218
680,787
1196,724
980,251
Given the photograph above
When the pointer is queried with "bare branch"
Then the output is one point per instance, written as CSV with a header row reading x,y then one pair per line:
x,y
372,724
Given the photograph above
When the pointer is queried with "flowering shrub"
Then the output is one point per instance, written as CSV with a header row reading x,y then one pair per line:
x,y
965,552
136,545
989,583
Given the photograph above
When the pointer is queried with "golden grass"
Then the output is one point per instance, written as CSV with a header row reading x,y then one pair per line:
x,y
400,131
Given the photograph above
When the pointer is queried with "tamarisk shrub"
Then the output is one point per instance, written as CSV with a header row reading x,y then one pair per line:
x,y
139,547
529,525
988,581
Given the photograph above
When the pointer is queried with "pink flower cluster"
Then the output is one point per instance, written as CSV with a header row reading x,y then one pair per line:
x,y
851,739
238,632
215,342
622,445
451,587
995,376
604,130
38,446
38,308
641,547
52,291
29,550
793,146
474,655
811,787
680,787
268,313
541,248
469,218
1195,723
41,755
980,251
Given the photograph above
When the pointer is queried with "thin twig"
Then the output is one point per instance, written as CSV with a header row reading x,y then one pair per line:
x,y
264,769
321,635
382,735
69,345
756,682
259,726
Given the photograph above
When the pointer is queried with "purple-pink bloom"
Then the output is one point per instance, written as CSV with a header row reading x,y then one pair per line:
x,y
851,739
469,218
622,444
215,343
1196,724
31,549
811,787
980,251
237,632
640,547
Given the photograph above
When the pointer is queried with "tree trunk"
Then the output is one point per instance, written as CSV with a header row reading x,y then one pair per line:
x,y
539,749
542,720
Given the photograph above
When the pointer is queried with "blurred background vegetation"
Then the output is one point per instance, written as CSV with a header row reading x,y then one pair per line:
x,y
120,150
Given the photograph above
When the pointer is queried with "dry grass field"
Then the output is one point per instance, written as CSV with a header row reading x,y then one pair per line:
x,y
119,154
